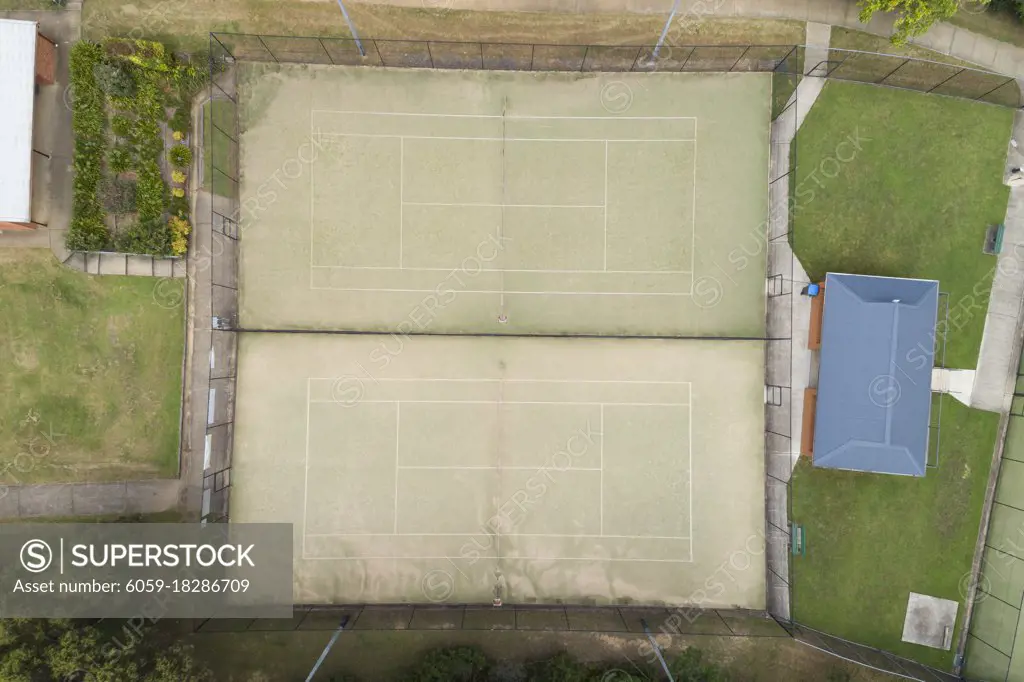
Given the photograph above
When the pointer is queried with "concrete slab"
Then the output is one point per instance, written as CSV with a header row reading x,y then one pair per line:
x,y
962,43
75,261
112,264
150,497
179,268
553,619
45,500
140,265
929,621
163,267
8,502
92,263
99,498
595,620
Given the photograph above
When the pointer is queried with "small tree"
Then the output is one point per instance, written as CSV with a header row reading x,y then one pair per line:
x,y
115,78
914,18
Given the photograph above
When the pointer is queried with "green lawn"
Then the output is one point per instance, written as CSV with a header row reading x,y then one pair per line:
x,y
218,149
91,382
913,201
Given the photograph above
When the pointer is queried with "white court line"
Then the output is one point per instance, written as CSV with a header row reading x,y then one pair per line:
x,y
693,217
689,434
496,270
504,402
305,464
398,431
601,489
502,558
504,535
606,206
610,117
660,140
520,381
401,200
487,205
427,467
518,293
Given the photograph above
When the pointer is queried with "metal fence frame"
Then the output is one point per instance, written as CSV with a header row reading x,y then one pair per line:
x,y
785,62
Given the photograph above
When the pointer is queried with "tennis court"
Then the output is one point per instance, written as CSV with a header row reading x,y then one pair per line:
x,y
439,469
500,202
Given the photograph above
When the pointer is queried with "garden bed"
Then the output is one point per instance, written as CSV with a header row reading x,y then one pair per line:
x,y
131,118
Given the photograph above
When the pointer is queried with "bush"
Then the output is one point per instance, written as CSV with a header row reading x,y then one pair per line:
x,y
181,121
88,230
177,193
122,126
180,229
119,196
178,177
457,664
115,78
179,206
151,194
119,159
180,156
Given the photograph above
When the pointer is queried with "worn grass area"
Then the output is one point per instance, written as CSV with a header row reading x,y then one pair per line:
x,y
998,24
246,657
14,5
91,385
220,154
189,26
850,39
913,201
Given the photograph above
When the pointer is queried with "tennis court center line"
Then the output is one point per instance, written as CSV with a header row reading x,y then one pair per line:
x,y
505,535
503,558
504,402
305,464
525,117
486,138
496,291
496,270
521,381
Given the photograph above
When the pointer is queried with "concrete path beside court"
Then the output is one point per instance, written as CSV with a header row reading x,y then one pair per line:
x,y
946,38
88,499
997,361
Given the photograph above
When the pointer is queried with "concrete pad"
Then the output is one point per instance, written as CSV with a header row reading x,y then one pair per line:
x,y
328,619
112,264
984,52
595,620
98,498
553,619
179,268
140,266
930,621
162,267
939,38
92,263
819,35
45,500
384,618
75,261
150,497
995,363
489,618
9,502
426,618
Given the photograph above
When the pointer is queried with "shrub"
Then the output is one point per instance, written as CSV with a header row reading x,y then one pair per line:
x,y
149,236
177,192
179,206
181,121
119,159
180,156
151,193
87,231
178,177
115,78
122,126
456,664
119,196
178,136
180,229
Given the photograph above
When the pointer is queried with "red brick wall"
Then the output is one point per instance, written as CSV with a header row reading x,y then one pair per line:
x,y
46,61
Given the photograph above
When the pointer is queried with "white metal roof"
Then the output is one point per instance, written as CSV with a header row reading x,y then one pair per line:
x,y
17,90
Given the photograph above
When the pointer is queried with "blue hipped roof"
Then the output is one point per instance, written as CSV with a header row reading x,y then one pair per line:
x,y
874,382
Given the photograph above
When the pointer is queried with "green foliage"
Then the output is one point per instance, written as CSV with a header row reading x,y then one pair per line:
x,y
87,231
34,650
151,196
457,664
1015,7
179,207
119,159
115,78
181,121
180,156
839,675
691,666
122,126
119,196
914,18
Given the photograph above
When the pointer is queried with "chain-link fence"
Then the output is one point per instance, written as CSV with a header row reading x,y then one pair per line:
x,y
851,65
788,64
221,180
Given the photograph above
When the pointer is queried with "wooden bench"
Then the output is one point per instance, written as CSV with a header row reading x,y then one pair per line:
x,y
817,313
807,430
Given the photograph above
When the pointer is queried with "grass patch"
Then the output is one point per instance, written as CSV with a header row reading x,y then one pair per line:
x,y
189,30
218,149
912,202
91,387
850,39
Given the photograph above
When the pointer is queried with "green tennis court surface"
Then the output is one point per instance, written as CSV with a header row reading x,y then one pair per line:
x,y
498,202
549,470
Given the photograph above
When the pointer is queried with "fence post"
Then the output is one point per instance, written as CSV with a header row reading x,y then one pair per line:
x,y
583,62
905,62
962,69
784,59
429,53
639,51
331,59
1008,81
740,59
269,51
379,56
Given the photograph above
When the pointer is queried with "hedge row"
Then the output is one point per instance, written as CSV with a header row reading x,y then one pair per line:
x,y
88,231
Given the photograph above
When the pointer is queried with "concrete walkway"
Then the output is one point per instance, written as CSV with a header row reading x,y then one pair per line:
x,y
946,38
88,499
997,361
